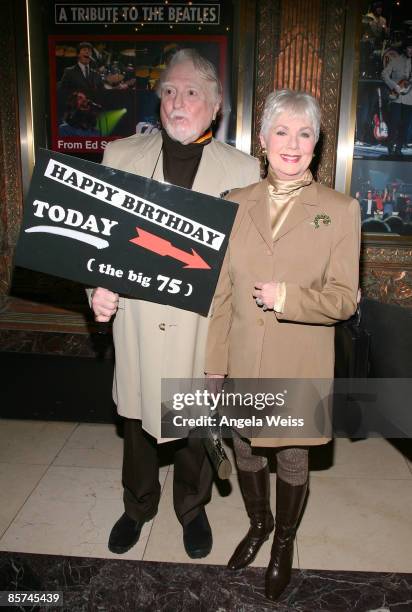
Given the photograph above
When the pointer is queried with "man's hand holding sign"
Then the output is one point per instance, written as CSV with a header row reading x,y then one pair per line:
x,y
104,304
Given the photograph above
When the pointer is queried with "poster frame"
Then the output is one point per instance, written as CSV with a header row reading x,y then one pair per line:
x,y
347,123
33,90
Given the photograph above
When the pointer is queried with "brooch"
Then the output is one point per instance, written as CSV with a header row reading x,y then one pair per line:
x,y
326,220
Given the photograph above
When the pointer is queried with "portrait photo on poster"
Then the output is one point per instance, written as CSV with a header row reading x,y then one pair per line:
x,y
384,103
384,192
106,87
381,177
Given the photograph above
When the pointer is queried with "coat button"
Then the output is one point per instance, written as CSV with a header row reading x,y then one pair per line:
x,y
260,322
162,326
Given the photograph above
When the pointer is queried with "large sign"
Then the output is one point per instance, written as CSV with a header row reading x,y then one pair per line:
x,y
194,13
105,59
135,236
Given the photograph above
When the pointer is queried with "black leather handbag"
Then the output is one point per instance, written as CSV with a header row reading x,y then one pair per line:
x,y
352,346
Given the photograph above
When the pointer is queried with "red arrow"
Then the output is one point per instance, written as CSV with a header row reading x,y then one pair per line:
x,y
165,248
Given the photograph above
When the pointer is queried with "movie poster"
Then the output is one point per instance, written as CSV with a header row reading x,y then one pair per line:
x,y
382,165
103,80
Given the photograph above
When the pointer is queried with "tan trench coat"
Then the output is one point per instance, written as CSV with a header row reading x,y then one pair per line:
x,y
320,269
154,341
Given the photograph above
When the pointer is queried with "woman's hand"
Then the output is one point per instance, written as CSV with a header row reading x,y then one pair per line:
x,y
267,294
104,304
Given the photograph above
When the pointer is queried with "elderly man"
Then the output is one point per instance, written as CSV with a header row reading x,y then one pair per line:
x,y
154,341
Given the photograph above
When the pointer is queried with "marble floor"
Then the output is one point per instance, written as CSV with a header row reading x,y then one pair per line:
x,y
112,585
60,493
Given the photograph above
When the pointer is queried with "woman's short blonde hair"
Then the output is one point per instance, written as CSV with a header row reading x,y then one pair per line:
x,y
295,103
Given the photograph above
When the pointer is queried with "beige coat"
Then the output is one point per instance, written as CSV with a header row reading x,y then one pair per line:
x,y
154,341
320,269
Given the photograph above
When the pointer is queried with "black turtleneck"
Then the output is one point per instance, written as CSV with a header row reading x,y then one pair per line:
x,y
180,162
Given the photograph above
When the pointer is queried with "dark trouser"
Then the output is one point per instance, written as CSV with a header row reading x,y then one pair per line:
x,y
192,476
399,123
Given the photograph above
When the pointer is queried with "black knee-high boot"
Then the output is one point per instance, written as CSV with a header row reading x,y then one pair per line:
x,y
289,504
255,488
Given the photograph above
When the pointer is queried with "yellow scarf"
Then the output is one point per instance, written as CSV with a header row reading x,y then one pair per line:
x,y
282,195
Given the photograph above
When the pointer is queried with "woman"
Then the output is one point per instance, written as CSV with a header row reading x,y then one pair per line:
x,y
290,273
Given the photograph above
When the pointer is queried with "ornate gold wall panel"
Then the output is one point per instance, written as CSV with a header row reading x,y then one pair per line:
x,y
267,40
10,168
386,272
300,46
299,63
332,55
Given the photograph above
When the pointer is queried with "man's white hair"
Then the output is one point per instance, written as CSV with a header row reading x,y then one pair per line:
x,y
206,69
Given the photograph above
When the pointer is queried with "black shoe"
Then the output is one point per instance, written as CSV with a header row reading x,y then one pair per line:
x,y
197,536
124,534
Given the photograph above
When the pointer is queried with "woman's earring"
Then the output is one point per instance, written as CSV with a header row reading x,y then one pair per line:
x,y
265,159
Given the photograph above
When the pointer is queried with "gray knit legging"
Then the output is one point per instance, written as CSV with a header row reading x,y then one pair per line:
x,y
292,462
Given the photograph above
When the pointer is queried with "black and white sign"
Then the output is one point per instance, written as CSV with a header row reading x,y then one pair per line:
x,y
192,13
132,235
